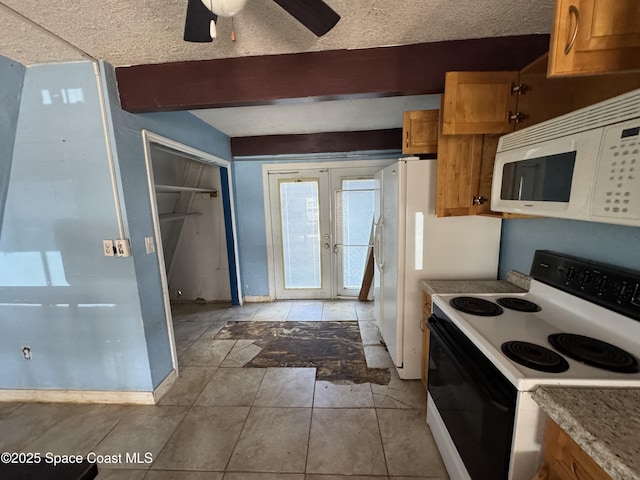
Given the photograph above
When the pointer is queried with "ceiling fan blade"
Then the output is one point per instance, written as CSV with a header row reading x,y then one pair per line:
x,y
198,22
316,15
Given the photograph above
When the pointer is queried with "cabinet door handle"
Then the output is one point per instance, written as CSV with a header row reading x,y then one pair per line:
x,y
573,10
407,141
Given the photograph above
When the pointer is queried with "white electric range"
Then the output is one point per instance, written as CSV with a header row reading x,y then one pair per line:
x,y
578,325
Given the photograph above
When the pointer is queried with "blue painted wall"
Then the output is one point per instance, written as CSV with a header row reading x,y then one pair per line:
x,y
252,243
91,322
77,310
126,131
11,79
612,244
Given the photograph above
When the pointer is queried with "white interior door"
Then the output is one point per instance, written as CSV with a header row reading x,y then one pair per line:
x,y
301,233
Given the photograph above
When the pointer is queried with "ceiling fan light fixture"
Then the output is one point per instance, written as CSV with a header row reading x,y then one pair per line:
x,y
315,15
225,8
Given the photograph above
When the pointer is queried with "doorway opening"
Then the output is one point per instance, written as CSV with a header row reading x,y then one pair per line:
x,y
194,225
319,227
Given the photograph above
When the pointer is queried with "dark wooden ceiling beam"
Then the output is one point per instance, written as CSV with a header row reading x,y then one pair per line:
x,y
328,142
334,74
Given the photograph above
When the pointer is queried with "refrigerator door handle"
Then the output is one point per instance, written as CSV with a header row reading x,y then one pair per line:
x,y
377,245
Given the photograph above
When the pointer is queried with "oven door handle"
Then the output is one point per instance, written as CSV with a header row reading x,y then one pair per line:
x,y
455,354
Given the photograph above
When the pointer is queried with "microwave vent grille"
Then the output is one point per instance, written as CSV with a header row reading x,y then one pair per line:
x,y
618,109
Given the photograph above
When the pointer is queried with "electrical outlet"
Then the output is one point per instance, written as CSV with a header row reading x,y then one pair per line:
x,y
149,245
107,247
122,247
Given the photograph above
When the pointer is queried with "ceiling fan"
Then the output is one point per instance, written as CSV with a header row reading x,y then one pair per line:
x,y
202,16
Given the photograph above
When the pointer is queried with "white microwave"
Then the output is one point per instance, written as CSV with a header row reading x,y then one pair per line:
x,y
584,165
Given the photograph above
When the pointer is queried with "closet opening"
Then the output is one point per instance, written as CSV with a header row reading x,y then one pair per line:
x,y
194,224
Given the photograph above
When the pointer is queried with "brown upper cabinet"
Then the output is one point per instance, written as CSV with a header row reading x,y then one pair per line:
x,y
478,107
420,131
474,105
501,102
465,174
457,182
594,37
479,102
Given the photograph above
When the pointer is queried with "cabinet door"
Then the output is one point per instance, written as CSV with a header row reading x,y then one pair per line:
x,y
595,36
420,131
485,180
542,473
566,459
478,102
459,162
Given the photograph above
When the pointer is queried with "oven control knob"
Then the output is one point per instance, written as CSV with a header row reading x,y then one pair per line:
x,y
585,278
622,290
602,284
570,274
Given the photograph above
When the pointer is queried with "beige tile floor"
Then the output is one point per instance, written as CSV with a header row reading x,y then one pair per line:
x,y
224,422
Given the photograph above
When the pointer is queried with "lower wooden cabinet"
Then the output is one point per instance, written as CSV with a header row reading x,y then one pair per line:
x,y
565,460
426,313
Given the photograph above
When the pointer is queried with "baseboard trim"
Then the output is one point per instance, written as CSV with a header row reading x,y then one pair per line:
x,y
77,396
165,385
258,298
89,396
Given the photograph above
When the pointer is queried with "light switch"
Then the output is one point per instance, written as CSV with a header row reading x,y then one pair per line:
x,y
122,248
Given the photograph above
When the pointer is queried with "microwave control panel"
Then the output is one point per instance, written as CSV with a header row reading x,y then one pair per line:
x,y
617,183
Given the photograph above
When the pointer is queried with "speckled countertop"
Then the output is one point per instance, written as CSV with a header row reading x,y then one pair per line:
x,y
516,283
605,422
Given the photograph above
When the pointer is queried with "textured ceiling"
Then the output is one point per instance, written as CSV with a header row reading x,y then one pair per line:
x,y
150,31
328,116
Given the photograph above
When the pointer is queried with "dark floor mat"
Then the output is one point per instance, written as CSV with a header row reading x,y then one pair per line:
x,y
334,348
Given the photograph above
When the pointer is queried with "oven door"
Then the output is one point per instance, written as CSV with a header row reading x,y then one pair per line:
x,y
475,401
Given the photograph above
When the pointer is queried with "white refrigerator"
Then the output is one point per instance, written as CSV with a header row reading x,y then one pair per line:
x,y
411,244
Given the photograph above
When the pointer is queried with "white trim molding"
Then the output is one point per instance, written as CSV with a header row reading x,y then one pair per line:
x,y
89,396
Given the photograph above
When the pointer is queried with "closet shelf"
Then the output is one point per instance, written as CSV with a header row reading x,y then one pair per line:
x,y
176,189
168,217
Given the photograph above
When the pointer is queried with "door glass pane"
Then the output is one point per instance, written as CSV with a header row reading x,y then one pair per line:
x,y
356,214
299,211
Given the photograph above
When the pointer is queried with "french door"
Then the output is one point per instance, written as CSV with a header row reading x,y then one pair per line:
x,y
301,233
353,209
321,220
